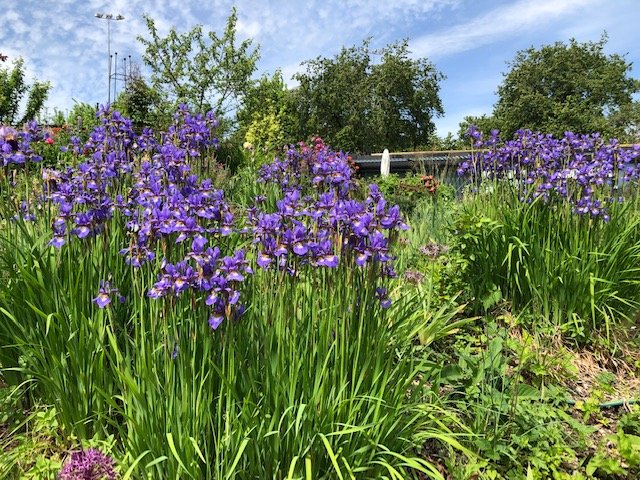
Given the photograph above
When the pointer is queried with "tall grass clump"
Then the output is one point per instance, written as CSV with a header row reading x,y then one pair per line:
x,y
211,340
50,340
553,227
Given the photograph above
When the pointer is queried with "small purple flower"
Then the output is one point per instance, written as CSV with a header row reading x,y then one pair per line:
x,y
197,246
330,261
102,300
104,294
57,242
263,260
89,464
382,295
215,320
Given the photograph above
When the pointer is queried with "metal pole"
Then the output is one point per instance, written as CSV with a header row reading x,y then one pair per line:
x,y
109,69
124,72
115,76
109,17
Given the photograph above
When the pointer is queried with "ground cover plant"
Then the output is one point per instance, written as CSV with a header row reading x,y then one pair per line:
x,y
204,339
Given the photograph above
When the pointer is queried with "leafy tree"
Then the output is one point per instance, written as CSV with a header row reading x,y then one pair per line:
x,y
361,106
38,93
406,94
627,121
12,90
204,70
335,99
265,118
58,118
83,119
450,142
559,87
142,104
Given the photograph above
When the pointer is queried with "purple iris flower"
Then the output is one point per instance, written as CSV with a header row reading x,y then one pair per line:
x,y
383,297
105,292
215,321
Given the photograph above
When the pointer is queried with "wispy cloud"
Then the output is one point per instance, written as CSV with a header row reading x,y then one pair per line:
x,y
499,23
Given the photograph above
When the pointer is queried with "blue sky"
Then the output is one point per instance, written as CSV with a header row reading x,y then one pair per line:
x,y
470,41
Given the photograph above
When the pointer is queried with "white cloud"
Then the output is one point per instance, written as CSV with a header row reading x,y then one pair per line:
x,y
504,21
248,29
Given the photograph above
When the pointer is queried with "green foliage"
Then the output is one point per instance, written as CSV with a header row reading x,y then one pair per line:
x,y
265,132
576,273
450,142
410,190
203,69
58,117
630,422
83,119
35,447
620,461
565,87
266,118
626,120
142,104
406,94
316,380
30,450
360,105
55,341
231,155
38,93
12,90
520,430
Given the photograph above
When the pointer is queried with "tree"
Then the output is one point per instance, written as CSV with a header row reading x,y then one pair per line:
x,y
12,91
206,71
560,87
142,104
627,121
335,99
450,142
265,119
362,106
406,92
83,118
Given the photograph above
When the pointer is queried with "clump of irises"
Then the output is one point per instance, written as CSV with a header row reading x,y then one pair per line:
x,y
175,219
317,222
316,167
146,181
584,170
16,145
